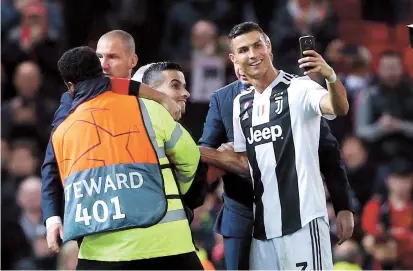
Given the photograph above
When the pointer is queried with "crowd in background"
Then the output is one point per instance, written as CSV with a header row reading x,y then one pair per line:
x,y
365,41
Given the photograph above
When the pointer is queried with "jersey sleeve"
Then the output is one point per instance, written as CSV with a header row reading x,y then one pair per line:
x,y
313,95
239,138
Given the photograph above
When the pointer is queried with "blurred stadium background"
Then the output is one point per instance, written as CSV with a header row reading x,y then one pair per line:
x,y
366,41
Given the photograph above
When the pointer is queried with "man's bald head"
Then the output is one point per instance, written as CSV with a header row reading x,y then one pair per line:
x,y
116,51
125,37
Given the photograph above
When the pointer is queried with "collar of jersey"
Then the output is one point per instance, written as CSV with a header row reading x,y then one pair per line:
x,y
272,85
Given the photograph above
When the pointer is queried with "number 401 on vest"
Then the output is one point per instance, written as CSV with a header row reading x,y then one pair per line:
x,y
82,215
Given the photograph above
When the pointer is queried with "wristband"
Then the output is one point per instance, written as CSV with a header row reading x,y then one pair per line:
x,y
332,79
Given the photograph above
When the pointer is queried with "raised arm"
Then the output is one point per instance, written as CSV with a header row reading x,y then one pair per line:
x,y
130,87
335,101
173,108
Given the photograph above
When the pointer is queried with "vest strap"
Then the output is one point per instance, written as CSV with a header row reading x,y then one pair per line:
x,y
166,166
174,196
134,87
174,215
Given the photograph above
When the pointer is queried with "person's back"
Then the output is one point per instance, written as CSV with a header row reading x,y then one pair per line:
x,y
114,153
111,138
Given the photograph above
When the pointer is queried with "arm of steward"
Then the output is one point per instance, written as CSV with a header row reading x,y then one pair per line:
x,y
141,90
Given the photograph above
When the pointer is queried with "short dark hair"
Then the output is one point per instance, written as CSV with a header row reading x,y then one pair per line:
x,y
79,64
153,75
244,28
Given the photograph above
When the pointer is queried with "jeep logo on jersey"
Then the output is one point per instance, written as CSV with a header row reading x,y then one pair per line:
x,y
264,134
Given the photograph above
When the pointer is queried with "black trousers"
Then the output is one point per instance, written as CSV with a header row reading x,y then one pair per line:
x,y
187,261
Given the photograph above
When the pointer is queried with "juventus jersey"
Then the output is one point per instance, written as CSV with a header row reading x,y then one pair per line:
x,y
280,129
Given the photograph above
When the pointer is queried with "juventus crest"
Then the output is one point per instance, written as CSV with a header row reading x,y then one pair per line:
x,y
278,97
278,104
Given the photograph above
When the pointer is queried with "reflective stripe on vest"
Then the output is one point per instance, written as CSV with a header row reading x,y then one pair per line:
x,y
109,168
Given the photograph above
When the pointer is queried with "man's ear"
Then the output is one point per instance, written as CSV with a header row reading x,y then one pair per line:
x,y
232,58
71,87
134,61
268,45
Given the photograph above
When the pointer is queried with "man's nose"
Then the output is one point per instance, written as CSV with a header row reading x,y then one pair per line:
x,y
186,93
253,53
104,62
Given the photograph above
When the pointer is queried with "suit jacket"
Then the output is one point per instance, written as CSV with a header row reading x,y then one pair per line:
x,y
52,190
218,129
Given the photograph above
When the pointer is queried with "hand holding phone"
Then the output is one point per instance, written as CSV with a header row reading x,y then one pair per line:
x,y
312,62
306,43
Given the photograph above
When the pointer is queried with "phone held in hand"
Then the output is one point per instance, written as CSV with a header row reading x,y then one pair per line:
x,y
306,43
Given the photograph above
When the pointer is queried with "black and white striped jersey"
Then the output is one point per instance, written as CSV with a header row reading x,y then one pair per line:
x,y
280,129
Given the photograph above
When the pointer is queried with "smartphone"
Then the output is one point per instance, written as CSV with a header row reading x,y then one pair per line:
x,y
306,43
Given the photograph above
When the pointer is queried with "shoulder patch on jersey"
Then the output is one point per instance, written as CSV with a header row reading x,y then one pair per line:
x,y
287,78
291,76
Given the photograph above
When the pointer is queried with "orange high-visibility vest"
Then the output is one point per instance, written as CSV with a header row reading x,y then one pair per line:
x,y
109,168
